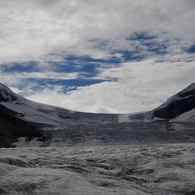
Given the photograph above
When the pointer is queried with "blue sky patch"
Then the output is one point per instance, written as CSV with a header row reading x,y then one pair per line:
x,y
85,65
191,49
69,84
143,35
21,67
130,55
88,67
156,47
85,60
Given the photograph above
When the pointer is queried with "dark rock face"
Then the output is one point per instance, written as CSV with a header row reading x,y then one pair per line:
x,y
182,102
176,108
6,94
11,127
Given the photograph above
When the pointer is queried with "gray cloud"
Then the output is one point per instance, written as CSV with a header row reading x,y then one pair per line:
x,y
49,30
140,86
31,30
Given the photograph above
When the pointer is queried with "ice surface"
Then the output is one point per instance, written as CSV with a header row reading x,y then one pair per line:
x,y
185,117
124,118
13,161
123,170
24,142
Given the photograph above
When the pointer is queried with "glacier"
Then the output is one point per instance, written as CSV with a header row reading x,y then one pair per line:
x,y
155,169
87,153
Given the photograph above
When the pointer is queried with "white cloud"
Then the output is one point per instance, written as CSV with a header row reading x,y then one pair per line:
x,y
32,30
14,78
140,86
47,30
23,80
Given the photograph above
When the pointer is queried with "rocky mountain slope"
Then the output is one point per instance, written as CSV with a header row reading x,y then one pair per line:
x,y
12,127
20,117
179,104
48,115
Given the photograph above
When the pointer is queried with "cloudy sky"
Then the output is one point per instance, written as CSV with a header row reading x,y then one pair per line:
x,y
98,56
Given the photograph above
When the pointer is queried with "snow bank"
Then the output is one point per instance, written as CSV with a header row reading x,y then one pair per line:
x,y
185,117
124,118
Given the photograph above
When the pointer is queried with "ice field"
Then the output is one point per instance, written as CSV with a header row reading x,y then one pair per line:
x,y
155,169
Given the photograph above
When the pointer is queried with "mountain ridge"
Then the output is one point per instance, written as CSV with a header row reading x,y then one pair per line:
x,y
28,110
181,102
26,118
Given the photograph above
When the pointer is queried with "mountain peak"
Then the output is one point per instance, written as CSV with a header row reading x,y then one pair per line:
x,y
190,90
4,87
6,94
178,104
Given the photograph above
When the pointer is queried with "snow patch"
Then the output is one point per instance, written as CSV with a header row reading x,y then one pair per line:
x,y
22,142
185,117
124,118
5,96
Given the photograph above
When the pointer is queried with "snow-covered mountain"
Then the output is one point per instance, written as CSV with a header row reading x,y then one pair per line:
x,y
178,108
20,117
48,115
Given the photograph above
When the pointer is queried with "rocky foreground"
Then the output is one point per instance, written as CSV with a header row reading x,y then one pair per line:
x,y
166,169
